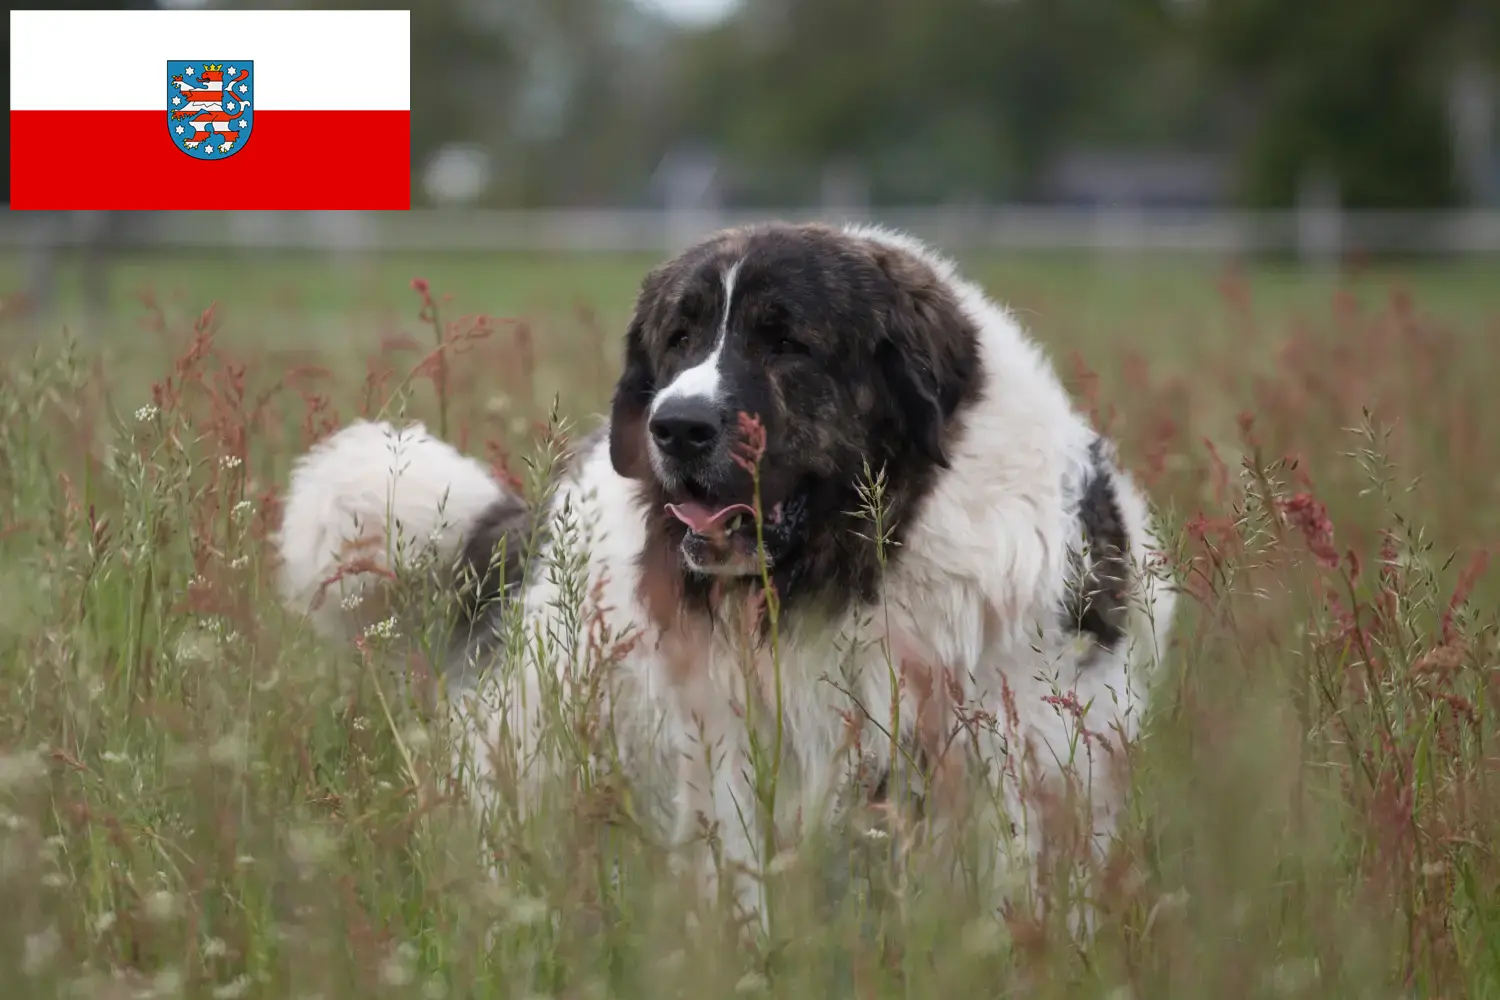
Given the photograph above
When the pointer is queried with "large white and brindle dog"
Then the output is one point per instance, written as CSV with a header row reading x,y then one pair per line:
x,y
1015,608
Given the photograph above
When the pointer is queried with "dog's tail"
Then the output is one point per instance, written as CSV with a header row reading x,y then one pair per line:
x,y
374,499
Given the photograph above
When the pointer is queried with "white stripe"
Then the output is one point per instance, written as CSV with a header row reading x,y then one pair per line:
x,y
305,60
702,380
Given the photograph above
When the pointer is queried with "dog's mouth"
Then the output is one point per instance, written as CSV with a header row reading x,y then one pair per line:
x,y
722,539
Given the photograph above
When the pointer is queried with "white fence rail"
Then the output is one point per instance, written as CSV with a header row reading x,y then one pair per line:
x,y
1310,233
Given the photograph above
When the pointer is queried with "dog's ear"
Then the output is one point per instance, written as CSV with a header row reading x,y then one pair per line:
x,y
627,416
927,350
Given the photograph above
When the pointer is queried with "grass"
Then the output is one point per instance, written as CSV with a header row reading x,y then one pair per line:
x,y
199,799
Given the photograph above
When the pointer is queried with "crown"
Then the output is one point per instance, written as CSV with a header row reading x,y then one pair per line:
x,y
213,68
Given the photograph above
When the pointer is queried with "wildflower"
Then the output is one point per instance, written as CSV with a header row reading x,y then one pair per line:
x,y
230,462
240,562
875,833
352,601
751,447
242,510
215,948
147,412
382,630
103,922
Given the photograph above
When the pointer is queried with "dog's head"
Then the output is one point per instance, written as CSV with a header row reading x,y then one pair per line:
x,y
847,350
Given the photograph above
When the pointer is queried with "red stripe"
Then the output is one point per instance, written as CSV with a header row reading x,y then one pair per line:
x,y
364,163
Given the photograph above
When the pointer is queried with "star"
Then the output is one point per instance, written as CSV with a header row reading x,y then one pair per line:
x,y
176,100
230,71
189,71
244,88
180,130
243,123
209,148
228,105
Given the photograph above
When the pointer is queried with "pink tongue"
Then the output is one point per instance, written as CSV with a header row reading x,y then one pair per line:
x,y
702,518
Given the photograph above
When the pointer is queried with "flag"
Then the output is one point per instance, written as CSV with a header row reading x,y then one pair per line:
x,y
199,109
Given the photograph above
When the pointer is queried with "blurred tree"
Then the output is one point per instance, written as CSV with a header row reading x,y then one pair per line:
x,y
1356,88
937,100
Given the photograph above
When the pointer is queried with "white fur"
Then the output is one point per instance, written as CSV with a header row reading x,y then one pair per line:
x,y
702,380
976,590
377,493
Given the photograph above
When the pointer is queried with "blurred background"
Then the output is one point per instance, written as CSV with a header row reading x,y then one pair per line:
x,y
1319,134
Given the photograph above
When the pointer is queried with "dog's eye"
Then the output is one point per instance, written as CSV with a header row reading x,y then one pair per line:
x,y
676,340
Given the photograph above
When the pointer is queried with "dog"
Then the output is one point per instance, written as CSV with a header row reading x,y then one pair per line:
x,y
841,504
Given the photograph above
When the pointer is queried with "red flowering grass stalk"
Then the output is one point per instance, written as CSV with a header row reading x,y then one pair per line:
x,y
429,315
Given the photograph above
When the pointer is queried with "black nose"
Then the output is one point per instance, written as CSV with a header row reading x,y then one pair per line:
x,y
685,428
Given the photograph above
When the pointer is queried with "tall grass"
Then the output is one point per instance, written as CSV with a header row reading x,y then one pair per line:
x,y
199,799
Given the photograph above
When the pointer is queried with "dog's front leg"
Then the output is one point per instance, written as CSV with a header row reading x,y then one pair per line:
x,y
718,816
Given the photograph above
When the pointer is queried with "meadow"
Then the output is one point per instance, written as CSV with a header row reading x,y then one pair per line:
x,y
200,799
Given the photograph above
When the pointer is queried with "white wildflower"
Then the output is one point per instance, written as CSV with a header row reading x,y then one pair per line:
x,y
103,922
230,462
147,412
239,562
875,833
215,948
242,510
382,630
352,601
